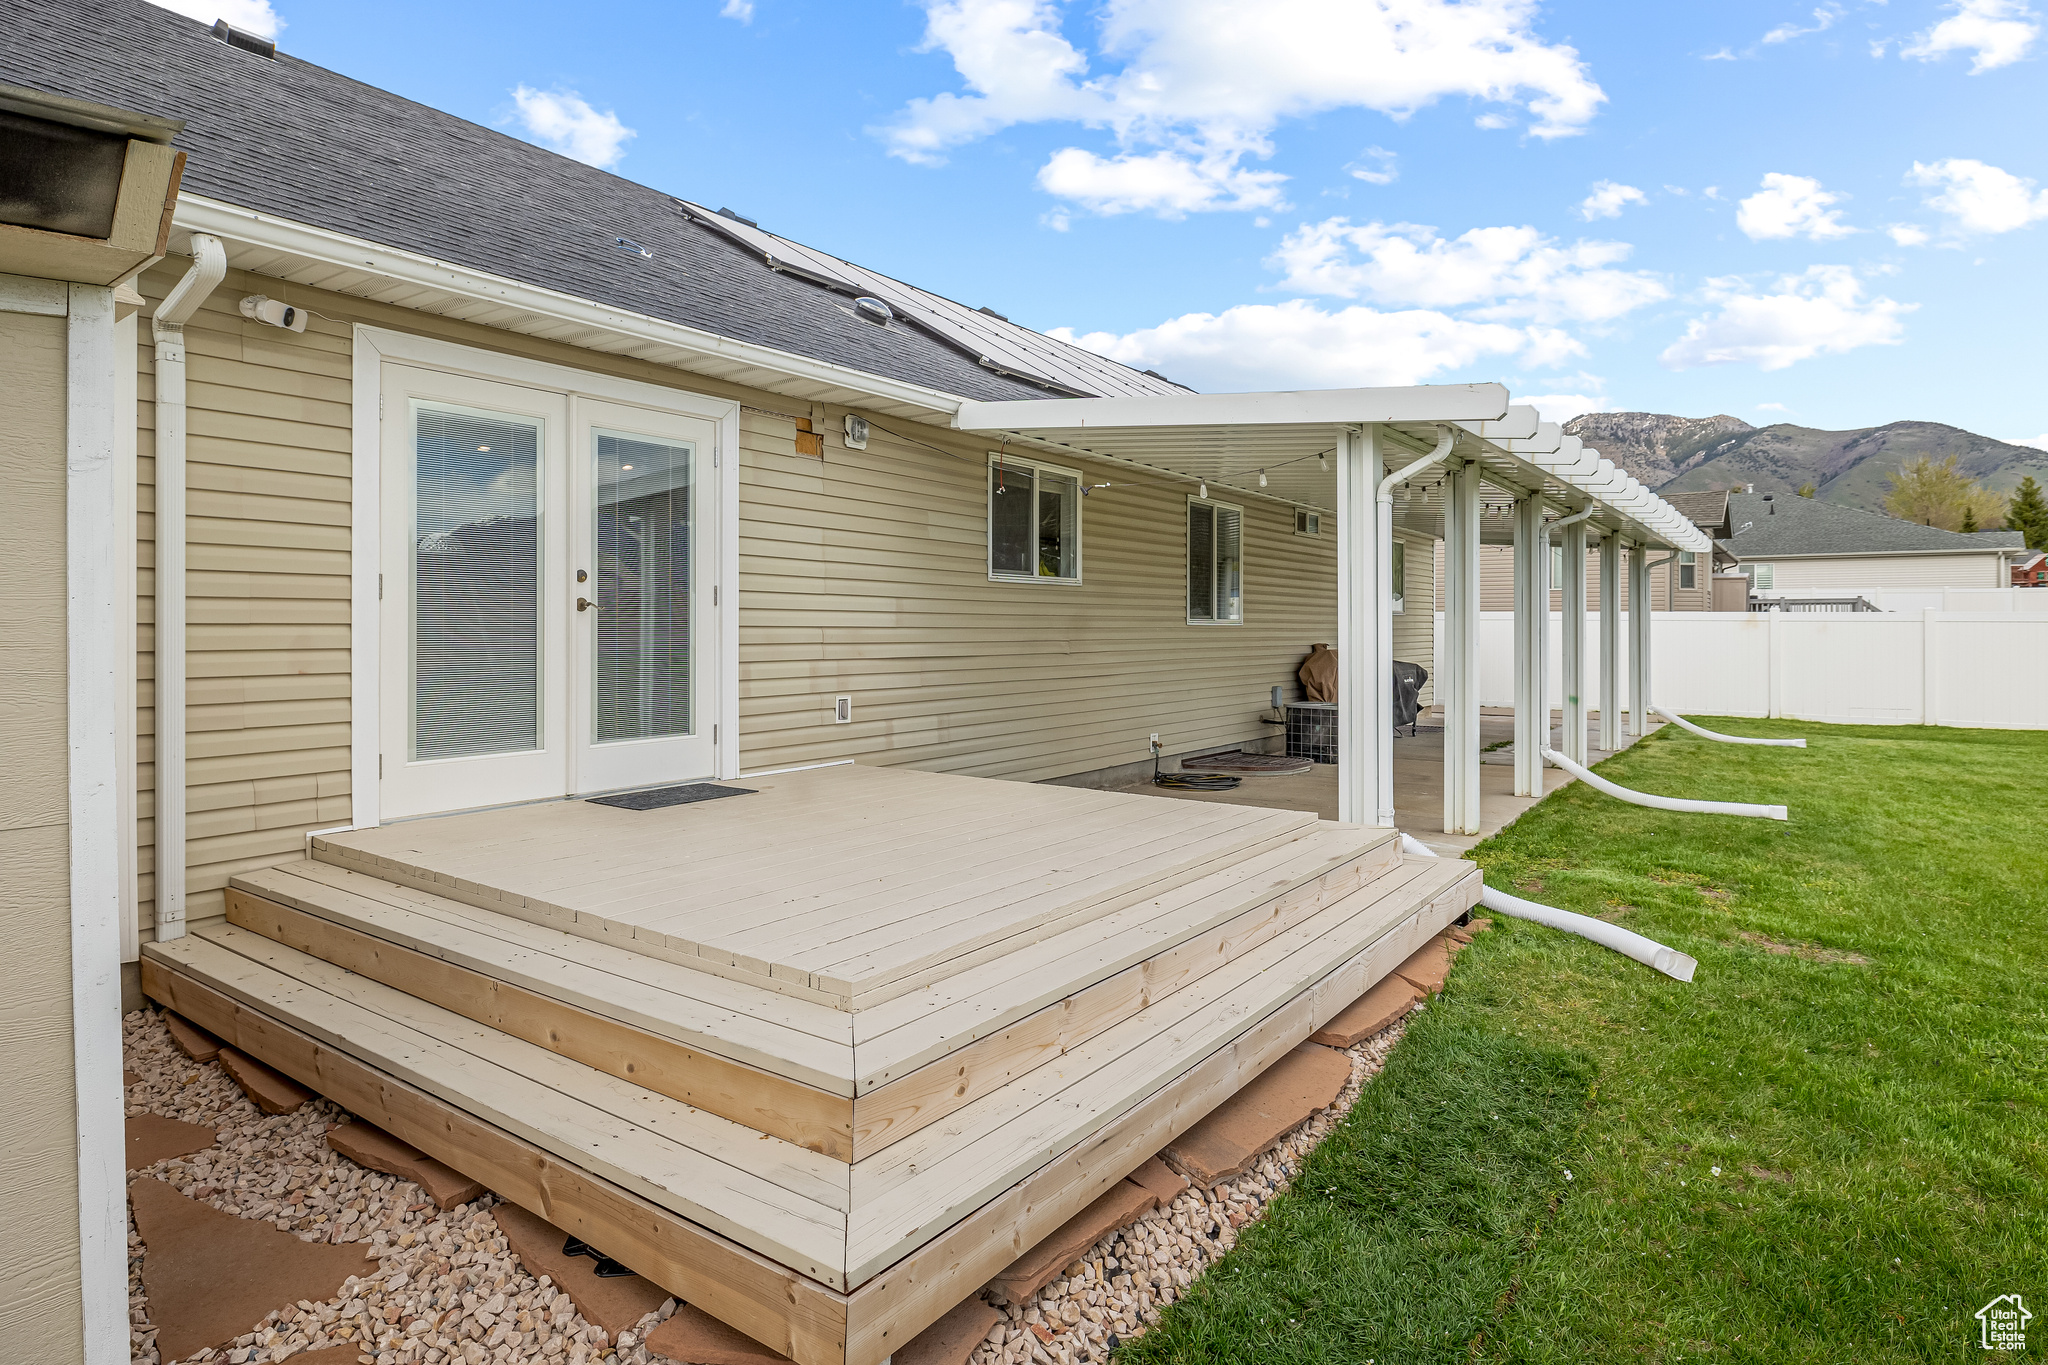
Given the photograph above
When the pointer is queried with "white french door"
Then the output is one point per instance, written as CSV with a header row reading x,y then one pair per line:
x,y
546,594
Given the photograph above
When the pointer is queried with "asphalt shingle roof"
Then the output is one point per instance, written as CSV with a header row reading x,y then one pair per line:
x,y
1807,526
1708,510
286,137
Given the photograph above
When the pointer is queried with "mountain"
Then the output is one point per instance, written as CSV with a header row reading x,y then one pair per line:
x,y
1653,446
1688,454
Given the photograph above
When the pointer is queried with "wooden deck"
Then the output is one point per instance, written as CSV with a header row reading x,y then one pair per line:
x,y
821,1060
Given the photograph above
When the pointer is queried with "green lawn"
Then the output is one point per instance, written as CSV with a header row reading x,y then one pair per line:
x,y
1533,1177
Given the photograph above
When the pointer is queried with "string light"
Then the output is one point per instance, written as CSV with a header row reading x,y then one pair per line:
x,y
1203,491
1262,478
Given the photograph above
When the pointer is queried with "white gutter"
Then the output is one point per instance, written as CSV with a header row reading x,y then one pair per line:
x,y
1703,733
1383,681
1647,951
209,264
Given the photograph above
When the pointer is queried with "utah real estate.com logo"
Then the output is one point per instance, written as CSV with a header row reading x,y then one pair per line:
x,y
2004,1323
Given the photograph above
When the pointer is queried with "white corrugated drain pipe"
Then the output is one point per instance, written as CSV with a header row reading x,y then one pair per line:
x,y
209,264
1679,803
1704,733
1627,942
1383,683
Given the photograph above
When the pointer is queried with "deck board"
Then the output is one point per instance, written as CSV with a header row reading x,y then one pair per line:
x,y
967,865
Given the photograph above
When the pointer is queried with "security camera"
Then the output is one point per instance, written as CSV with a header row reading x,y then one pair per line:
x,y
260,309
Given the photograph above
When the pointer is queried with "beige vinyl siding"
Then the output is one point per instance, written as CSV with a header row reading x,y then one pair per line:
x,y
866,573
1822,575
860,572
39,1268
1497,582
267,578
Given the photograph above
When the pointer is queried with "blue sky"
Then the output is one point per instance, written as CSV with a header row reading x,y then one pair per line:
x,y
1822,213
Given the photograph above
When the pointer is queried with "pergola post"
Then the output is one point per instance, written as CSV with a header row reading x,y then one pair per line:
x,y
1532,614
1610,642
1574,643
1639,640
1459,685
1361,733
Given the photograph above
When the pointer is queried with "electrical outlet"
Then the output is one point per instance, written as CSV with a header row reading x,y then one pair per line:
x,y
1155,743
842,710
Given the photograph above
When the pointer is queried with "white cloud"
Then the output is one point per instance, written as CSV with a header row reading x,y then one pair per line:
x,y
1909,234
1375,166
1608,199
1720,55
1496,272
1821,311
1192,88
1166,183
254,16
1823,19
2037,442
742,10
564,122
1298,345
1791,206
1996,32
1772,407
1562,407
1979,198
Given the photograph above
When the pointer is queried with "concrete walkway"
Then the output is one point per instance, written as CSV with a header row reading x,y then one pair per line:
x,y
1418,782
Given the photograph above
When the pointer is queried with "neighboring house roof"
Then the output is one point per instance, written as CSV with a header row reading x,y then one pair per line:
x,y
1763,527
284,137
1707,510
2029,559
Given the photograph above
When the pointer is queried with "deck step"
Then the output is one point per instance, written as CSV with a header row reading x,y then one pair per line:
x,y
900,1236
1195,1048
844,1084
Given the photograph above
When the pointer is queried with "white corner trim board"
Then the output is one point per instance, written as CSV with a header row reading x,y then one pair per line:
x,y
1678,803
94,666
1627,942
1685,724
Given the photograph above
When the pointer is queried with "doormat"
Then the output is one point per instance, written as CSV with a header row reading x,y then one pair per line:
x,y
661,797
1249,765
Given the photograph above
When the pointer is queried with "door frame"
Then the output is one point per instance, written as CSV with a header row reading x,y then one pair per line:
x,y
374,346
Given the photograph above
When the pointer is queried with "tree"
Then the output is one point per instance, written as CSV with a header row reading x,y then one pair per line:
x,y
1969,526
1939,495
2028,513
1807,490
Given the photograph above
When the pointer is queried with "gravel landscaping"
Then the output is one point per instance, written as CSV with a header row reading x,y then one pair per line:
x,y
438,1288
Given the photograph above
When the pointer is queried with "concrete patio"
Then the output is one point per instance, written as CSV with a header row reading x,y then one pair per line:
x,y
1418,781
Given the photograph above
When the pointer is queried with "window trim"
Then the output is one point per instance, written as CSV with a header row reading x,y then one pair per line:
x,y
1187,555
1687,562
988,524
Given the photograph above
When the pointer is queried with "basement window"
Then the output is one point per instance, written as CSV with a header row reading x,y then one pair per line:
x,y
1215,562
1034,522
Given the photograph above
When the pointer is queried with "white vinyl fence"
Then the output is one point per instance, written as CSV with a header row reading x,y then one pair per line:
x,y
1965,668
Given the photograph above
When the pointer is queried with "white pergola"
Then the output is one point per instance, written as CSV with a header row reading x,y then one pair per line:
x,y
1433,459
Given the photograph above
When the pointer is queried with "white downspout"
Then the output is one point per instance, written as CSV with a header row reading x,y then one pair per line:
x,y
1647,951
209,265
1383,680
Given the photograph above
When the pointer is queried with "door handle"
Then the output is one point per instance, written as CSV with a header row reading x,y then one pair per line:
x,y
585,604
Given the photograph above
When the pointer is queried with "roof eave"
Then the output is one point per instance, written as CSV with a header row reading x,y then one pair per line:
x,y
266,244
